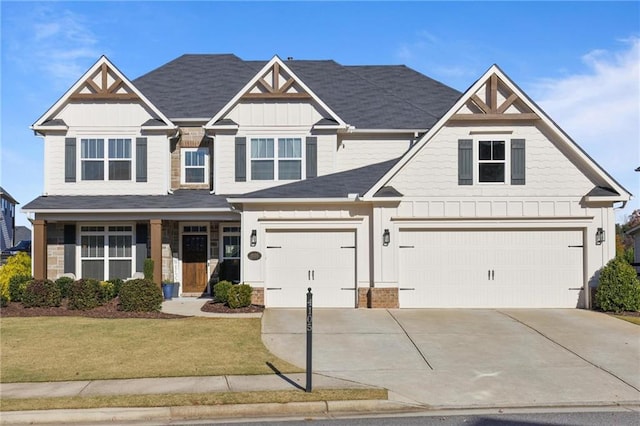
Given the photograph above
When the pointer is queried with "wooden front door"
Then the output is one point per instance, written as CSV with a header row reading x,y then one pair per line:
x,y
194,263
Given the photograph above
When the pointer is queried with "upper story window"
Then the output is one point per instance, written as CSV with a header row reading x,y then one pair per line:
x,y
267,163
195,165
92,159
491,161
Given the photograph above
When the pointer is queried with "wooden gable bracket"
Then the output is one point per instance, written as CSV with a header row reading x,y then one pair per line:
x,y
274,90
490,110
103,91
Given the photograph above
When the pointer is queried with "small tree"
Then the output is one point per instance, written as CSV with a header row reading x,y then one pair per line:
x,y
148,269
619,288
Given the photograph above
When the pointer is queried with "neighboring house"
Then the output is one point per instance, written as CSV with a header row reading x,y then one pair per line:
x,y
7,220
22,233
375,186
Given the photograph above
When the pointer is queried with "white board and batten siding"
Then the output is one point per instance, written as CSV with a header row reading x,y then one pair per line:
x,y
323,260
517,268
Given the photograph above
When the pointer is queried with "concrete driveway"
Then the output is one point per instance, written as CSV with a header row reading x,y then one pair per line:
x,y
469,358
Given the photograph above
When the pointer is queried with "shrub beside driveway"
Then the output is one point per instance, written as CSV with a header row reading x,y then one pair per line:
x,y
76,348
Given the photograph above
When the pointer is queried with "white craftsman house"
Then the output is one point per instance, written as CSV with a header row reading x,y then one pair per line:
x,y
375,186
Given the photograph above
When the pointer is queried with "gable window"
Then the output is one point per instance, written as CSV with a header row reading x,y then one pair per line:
x,y
92,159
195,165
491,161
267,163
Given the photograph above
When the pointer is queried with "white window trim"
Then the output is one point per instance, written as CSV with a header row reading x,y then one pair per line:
x,y
275,158
477,161
183,166
105,158
105,257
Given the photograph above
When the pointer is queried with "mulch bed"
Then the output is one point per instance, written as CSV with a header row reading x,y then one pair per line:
x,y
221,308
108,310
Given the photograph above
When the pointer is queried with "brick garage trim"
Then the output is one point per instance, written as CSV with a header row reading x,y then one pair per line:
x,y
257,296
380,298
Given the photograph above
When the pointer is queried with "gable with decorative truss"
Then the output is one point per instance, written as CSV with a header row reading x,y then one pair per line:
x,y
276,83
103,84
494,101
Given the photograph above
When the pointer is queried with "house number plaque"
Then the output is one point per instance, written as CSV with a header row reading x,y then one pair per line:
x,y
254,255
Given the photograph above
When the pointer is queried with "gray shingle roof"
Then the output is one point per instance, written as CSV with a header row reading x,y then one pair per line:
x,y
368,97
336,185
4,194
182,199
600,191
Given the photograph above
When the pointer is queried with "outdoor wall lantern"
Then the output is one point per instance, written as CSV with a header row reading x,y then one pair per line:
x,y
386,238
254,238
599,236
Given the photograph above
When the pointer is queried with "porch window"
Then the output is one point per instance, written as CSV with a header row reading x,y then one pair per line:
x,y
106,252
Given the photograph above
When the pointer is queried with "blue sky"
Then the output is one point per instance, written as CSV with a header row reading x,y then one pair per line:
x,y
580,61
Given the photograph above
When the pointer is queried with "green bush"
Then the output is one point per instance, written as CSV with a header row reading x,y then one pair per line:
x,y
41,294
84,294
239,296
117,284
64,283
147,269
619,288
140,296
18,264
107,292
17,285
221,290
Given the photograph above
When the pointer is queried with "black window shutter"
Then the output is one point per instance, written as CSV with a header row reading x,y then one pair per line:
x,y
70,159
241,159
518,165
312,156
141,245
69,241
141,159
465,162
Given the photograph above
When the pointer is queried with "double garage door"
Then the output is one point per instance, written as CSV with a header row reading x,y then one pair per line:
x,y
321,260
490,269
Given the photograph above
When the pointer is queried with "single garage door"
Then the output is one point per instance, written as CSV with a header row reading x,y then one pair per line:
x,y
491,269
322,260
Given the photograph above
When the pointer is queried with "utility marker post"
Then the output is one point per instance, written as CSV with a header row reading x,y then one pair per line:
x,y
309,337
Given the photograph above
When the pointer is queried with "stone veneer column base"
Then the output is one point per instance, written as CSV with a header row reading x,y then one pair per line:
x,y
257,296
374,297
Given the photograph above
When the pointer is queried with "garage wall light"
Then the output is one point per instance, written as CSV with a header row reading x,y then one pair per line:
x,y
386,238
253,240
600,236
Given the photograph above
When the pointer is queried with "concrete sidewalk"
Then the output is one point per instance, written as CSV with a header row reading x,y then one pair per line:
x,y
190,307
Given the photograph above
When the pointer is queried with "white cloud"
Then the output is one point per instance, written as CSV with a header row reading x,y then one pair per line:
x,y
600,110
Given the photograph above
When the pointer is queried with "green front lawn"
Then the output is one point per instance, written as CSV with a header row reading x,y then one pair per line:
x,y
76,348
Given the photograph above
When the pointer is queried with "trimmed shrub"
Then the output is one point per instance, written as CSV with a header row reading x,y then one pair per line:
x,y
84,294
64,284
239,296
140,296
18,264
147,269
17,285
41,294
619,288
221,290
117,284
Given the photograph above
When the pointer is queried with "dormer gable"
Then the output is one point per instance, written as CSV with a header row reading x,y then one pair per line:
x,y
103,82
275,81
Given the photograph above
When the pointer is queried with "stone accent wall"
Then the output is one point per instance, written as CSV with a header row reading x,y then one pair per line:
x,y
257,296
55,250
384,298
191,137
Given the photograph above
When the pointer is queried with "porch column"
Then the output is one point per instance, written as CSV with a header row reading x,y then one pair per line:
x,y
39,260
156,249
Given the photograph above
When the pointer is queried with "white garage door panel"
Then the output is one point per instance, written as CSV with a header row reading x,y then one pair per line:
x,y
322,260
491,269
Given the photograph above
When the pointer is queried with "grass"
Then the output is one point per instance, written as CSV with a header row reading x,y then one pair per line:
x,y
75,348
631,319
173,400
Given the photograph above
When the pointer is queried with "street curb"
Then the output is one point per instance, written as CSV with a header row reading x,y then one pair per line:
x,y
115,414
